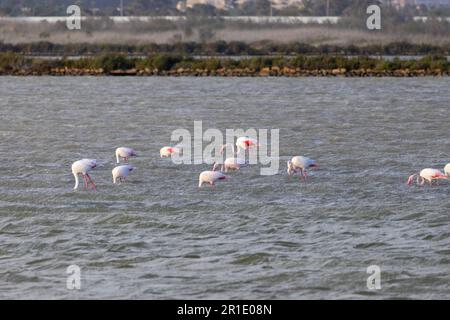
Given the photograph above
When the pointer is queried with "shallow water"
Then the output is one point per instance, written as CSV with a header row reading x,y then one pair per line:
x,y
252,237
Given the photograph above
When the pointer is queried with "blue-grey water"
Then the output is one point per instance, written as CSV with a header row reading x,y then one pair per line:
x,y
159,236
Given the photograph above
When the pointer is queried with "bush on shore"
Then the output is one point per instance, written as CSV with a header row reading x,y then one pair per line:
x,y
220,48
13,63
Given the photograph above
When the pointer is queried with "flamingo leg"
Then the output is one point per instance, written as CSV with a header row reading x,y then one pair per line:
x,y
302,175
85,181
92,182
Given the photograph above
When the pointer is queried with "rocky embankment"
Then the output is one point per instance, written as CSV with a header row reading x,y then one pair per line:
x,y
234,72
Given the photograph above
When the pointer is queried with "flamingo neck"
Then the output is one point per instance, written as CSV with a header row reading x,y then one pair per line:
x,y
76,180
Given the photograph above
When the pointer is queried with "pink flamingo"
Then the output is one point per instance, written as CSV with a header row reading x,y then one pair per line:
x,y
167,152
447,170
242,144
427,174
231,164
125,153
210,177
120,173
300,164
83,167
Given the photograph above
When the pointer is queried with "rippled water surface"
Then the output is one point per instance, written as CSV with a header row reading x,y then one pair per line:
x,y
252,237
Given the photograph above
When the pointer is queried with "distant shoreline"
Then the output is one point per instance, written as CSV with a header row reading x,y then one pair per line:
x,y
177,65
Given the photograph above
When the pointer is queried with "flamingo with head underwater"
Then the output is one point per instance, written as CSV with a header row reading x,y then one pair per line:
x,y
427,174
83,167
120,173
125,153
230,164
300,164
167,152
236,162
210,177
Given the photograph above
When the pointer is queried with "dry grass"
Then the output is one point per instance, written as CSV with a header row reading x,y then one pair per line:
x,y
315,35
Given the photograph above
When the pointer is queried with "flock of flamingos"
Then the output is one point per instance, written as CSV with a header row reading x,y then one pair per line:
x,y
297,164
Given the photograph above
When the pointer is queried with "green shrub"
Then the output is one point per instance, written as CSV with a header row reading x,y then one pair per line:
x,y
10,61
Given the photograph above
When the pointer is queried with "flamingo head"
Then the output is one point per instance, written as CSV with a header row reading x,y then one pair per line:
x,y
93,164
314,165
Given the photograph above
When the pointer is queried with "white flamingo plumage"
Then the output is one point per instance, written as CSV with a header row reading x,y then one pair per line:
x,y
246,143
120,173
83,167
231,164
447,170
300,164
210,177
427,174
125,153
242,144
167,152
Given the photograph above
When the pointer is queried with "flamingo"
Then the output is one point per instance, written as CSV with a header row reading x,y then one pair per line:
x,y
242,144
231,164
246,143
300,164
426,175
447,170
167,152
125,153
83,167
121,172
210,177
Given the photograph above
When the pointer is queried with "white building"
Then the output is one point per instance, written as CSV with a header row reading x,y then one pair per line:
x,y
433,3
280,4
219,4
428,3
225,4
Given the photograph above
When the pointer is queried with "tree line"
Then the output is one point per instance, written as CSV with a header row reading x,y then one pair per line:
x,y
222,48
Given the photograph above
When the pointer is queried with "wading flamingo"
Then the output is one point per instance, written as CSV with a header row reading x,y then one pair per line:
x,y
210,177
83,167
447,170
125,153
246,143
427,174
231,164
300,164
242,144
167,152
120,173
